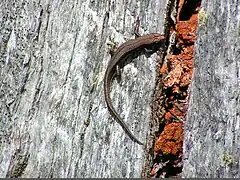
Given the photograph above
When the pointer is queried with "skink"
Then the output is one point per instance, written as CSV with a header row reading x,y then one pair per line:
x,y
150,42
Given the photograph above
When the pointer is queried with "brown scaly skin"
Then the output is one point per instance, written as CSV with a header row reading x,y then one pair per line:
x,y
151,42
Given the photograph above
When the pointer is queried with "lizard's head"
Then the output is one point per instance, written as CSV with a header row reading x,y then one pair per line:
x,y
158,41
159,37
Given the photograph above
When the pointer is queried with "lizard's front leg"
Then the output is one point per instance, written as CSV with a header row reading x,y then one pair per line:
x,y
149,51
136,28
112,47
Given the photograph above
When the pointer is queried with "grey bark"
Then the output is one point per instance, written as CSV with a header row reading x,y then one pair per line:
x,y
54,121
211,143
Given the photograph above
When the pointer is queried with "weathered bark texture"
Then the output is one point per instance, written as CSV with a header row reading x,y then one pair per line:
x,y
212,134
54,121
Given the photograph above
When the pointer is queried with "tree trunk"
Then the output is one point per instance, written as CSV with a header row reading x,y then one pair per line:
x,y
211,143
54,121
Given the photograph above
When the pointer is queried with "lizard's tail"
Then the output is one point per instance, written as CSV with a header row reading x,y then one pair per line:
x,y
107,82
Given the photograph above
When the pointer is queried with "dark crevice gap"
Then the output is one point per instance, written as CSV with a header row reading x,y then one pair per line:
x,y
167,160
188,9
